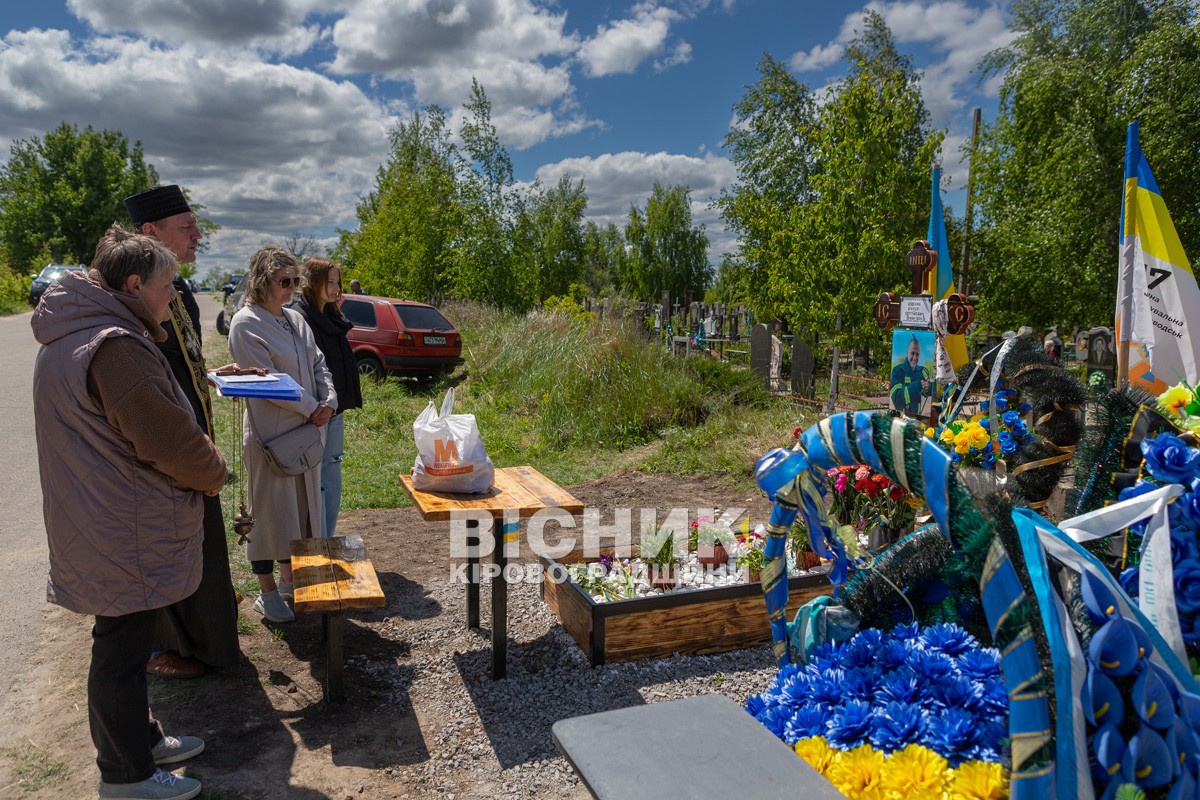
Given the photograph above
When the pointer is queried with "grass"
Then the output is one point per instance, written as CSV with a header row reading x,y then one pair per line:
x,y
33,768
577,399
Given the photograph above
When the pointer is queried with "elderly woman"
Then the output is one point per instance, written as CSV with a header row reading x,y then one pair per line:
x,y
265,334
321,287
124,468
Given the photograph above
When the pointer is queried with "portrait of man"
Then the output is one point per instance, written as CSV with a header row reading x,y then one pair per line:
x,y
911,389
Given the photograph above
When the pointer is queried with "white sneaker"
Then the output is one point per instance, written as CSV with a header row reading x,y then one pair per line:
x,y
272,606
162,785
173,749
286,588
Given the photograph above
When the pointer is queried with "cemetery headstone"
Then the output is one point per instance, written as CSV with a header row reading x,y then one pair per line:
x,y
1101,352
760,353
804,369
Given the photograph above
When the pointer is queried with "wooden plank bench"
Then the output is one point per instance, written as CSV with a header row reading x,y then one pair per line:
x,y
333,575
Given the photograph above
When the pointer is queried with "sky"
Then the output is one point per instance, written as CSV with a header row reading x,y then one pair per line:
x,y
275,113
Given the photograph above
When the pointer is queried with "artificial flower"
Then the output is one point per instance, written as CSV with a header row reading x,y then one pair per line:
x,y
978,780
1175,400
849,725
856,772
954,734
1169,459
897,724
816,752
914,772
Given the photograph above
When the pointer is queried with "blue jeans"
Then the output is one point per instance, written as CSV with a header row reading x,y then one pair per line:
x,y
331,471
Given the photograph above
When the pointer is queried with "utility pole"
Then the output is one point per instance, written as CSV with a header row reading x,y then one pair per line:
x,y
966,248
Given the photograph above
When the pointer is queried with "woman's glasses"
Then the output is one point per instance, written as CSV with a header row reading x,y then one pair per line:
x,y
286,283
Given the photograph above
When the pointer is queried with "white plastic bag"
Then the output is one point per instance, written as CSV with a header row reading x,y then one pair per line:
x,y
450,454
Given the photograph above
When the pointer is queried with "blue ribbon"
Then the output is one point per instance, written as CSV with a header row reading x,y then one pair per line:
x,y
935,474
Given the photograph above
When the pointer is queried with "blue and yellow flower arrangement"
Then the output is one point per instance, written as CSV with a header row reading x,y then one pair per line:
x,y
980,441
909,712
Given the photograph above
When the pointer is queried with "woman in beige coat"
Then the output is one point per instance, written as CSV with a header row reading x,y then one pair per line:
x,y
265,334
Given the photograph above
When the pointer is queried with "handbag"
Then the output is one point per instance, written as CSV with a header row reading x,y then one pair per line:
x,y
293,452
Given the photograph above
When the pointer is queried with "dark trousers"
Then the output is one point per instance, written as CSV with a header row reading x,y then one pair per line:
x,y
118,709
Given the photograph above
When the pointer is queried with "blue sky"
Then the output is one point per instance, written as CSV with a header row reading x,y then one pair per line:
x,y
275,113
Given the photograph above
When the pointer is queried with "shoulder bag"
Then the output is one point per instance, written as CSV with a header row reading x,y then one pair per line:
x,y
293,452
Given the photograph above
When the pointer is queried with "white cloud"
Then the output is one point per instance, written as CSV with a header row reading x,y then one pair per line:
x,y
266,147
617,181
682,54
517,51
275,25
621,46
953,36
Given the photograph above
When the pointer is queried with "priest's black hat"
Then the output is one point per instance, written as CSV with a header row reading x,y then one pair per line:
x,y
157,203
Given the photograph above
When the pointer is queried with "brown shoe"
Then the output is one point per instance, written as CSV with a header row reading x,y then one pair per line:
x,y
172,665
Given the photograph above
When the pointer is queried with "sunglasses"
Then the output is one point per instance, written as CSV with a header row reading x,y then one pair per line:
x,y
286,283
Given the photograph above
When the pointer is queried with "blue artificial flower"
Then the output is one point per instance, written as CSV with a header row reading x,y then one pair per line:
x,y
1185,513
850,724
955,458
896,725
1025,408
858,653
989,459
795,690
1008,445
860,684
986,423
868,637
1001,402
827,654
891,655
984,406
905,631
1187,586
1010,418
1129,581
902,686
1183,544
1169,459
992,733
956,691
810,720
930,667
947,638
979,664
755,706
1019,429
775,719
827,687
1139,488
952,735
993,697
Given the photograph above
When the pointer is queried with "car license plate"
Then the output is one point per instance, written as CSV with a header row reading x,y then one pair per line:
x,y
435,340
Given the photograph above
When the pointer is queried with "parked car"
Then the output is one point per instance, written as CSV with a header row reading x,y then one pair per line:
x,y
234,297
232,284
400,337
47,276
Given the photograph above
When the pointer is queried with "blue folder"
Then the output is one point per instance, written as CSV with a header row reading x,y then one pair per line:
x,y
282,388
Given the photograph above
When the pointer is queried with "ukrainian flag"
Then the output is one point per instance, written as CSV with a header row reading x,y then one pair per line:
x,y
941,283
1157,294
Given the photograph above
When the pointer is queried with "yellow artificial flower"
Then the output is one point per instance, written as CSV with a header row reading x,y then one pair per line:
x,y
978,780
963,437
976,418
817,752
962,448
914,772
947,436
1174,399
856,772
980,437
929,432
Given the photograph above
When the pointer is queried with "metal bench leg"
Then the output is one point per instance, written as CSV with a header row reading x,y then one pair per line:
x,y
511,532
335,690
472,573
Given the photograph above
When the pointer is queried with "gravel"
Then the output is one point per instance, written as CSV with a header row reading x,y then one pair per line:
x,y
494,738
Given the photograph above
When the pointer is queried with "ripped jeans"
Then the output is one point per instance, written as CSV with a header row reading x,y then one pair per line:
x,y
331,471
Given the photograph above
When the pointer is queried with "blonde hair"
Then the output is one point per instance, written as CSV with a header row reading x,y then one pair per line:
x,y
263,266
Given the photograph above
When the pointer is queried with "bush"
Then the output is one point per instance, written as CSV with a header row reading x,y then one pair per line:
x,y
14,291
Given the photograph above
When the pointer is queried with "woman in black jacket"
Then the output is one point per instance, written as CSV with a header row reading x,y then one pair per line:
x,y
320,287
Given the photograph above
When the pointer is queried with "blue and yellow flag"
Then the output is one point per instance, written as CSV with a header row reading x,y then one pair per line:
x,y
1157,295
942,283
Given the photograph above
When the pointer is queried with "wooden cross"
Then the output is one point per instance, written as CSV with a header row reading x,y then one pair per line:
x,y
921,260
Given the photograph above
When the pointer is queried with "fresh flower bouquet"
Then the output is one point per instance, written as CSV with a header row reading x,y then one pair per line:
x,y
863,498
1181,402
973,443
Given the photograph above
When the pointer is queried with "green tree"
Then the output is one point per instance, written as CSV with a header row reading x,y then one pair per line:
x,y
60,192
407,223
489,262
558,235
771,147
666,251
827,256
603,253
1049,170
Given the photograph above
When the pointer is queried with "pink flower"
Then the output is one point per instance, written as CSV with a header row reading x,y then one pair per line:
x,y
831,472
840,483
862,474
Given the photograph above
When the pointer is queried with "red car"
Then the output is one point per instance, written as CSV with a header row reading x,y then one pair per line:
x,y
400,337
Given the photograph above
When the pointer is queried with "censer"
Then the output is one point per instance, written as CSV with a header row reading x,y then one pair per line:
x,y
243,520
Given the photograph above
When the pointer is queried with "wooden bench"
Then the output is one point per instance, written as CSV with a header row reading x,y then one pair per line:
x,y
333,575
